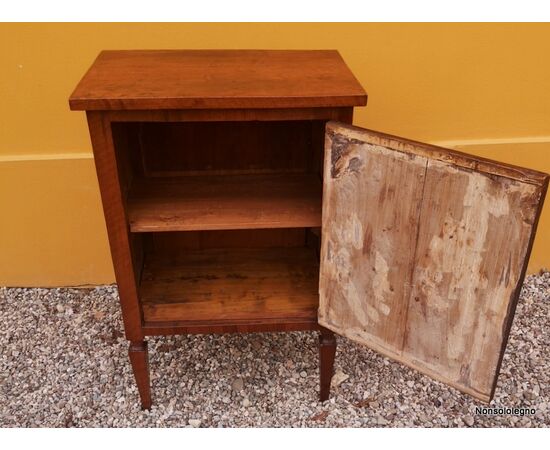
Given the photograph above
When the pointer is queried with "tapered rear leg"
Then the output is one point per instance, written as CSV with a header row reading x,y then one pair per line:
x,y
327,352
139,358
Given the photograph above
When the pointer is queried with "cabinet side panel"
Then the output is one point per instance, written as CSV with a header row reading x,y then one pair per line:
x,y
112,198
367,248
473,240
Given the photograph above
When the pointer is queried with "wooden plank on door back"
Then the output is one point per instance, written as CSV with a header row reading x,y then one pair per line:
x,y
424,252
475,234
367,247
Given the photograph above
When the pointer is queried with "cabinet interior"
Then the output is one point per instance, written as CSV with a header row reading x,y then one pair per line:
x,y
224,218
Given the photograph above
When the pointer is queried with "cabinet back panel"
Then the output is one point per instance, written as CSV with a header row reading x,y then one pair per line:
x,y
202,240
187,148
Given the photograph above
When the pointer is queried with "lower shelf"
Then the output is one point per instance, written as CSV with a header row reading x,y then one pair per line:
x,y
231,285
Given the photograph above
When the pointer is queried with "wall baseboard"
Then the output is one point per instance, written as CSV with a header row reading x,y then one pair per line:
x,y
45,156
492,141
445,143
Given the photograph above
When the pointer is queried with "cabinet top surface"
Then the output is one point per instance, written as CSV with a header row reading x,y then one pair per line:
x,y
208,79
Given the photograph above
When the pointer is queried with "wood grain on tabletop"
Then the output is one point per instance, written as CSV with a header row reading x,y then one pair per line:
x,y
181,79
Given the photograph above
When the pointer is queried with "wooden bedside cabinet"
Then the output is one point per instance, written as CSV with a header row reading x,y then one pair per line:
x,y
231,206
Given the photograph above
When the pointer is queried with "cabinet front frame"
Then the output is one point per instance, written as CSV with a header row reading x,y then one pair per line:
x,y
118,230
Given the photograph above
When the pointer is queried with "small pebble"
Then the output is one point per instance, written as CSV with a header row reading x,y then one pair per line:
x,y
381,421
338,378
237,384
468,420
195,423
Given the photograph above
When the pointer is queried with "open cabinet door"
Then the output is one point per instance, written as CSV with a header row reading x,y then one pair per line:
x,y
424,251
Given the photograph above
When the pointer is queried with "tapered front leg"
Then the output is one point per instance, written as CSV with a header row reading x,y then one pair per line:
x,y
327,351
139,358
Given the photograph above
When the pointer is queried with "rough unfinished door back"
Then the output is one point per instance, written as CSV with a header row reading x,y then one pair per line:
x,y
424,251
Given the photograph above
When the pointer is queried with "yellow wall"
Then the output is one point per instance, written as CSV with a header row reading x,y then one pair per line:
x,y
482,88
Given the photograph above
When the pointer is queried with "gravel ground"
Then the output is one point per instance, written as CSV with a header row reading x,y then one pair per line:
x,y
63,363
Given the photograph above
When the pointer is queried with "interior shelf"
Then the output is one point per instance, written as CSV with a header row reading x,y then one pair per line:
x,y
225,202
231,285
